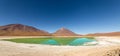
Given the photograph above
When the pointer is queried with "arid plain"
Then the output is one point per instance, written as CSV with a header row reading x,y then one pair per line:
x,y
106,46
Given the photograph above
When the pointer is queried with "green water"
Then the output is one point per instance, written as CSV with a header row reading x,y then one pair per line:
x,y
53,41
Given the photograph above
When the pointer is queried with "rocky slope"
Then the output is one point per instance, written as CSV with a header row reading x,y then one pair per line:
x,y
21,30
105,34
64,32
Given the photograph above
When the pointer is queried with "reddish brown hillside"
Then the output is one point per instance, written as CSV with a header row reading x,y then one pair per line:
x,y
64,32
105,34
21,30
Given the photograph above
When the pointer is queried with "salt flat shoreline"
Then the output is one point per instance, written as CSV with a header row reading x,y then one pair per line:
x,y
10,37
20,49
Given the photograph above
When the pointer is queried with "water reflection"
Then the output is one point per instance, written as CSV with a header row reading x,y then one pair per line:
x,y
77,41
80,41
50,42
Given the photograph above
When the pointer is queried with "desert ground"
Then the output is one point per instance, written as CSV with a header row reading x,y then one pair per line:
x,y
107,46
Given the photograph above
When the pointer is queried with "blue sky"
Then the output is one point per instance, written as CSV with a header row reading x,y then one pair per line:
x,y
80,16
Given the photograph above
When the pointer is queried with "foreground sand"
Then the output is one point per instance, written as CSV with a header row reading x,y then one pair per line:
x,y
20,49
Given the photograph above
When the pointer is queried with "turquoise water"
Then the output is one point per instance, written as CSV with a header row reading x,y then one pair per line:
x,y
75,42
54,41
50,42
80,41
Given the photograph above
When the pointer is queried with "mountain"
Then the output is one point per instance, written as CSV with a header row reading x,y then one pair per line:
x,y
64,32
24,30
105,34
21,30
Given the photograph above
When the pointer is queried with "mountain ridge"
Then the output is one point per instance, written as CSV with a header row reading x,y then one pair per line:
x,y
105,34
25,30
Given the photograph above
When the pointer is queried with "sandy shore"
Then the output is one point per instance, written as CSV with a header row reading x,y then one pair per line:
x,y
20,49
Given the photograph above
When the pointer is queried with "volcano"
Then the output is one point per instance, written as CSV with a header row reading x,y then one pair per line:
x,y
64,32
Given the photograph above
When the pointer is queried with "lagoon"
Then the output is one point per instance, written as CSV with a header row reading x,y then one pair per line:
x,y
71,41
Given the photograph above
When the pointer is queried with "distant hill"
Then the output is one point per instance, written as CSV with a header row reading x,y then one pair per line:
x,y
24,30
21,30
105,34
64,32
